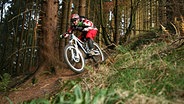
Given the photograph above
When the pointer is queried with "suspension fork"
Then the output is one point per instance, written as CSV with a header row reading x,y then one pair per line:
x,y
77,51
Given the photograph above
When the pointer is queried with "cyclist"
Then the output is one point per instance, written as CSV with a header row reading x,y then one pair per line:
x,y
87,29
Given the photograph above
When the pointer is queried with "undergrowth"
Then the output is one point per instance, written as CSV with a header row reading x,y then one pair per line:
x,y
149,74
4,81
151,71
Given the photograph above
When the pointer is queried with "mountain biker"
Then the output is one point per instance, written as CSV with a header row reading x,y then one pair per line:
x,y
87,29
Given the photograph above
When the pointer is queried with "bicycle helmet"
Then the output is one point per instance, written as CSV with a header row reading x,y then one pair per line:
x,y
74,17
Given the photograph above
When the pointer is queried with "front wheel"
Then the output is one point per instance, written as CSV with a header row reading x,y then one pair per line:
x,y
98,57
74,58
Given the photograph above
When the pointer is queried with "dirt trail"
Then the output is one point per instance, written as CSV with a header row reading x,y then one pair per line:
x,y
50,85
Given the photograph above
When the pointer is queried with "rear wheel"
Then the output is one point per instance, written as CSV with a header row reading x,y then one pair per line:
x,y
98,57
74,59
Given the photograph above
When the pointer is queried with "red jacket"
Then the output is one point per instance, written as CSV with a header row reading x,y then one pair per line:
x,y
83,25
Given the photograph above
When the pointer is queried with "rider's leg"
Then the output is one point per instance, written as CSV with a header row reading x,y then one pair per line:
x,y
90,43
91,47
90,37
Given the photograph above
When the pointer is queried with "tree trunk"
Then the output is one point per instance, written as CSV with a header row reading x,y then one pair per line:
x,y
76,5
104,33
162,11
88,8
48,46
63,27
134,6
117,22
82,7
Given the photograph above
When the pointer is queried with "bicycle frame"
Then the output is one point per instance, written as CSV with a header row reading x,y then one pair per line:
x,y
77,43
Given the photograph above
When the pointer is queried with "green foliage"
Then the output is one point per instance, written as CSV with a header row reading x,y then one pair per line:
x,y
78,96
122,50
150,71
38,101
154,82
5,80
10,102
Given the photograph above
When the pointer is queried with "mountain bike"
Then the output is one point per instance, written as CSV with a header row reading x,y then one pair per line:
x,y
77,51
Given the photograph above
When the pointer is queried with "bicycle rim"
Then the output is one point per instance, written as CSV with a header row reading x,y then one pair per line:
x,y
76,66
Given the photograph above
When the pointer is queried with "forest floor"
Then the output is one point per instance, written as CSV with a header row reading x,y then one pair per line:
x,y
47,84
50,85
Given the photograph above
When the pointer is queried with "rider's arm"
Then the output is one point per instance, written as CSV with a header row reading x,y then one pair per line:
x,y
87,23
70,30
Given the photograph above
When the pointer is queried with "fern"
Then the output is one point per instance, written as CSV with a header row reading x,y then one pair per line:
x,y
5,80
